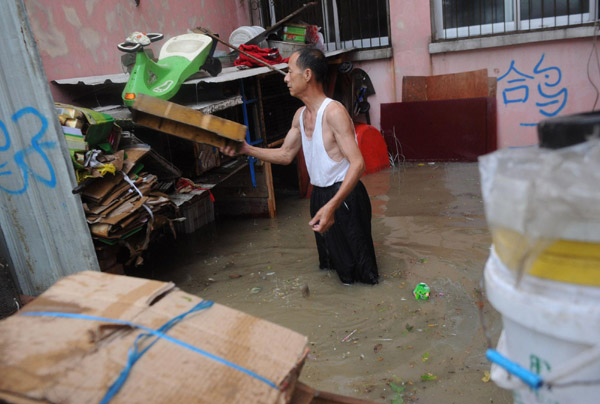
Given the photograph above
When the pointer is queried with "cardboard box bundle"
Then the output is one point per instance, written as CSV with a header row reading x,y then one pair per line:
x,y
74,360
85,129
121,205
96,127
122,209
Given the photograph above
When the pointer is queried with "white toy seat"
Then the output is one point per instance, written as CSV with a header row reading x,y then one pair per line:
x,y
186,45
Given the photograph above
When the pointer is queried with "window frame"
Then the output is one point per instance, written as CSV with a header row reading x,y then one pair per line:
x,y
363,43
507,27
331,20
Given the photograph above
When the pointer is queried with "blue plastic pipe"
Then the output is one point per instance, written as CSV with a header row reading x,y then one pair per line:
x,y
529,378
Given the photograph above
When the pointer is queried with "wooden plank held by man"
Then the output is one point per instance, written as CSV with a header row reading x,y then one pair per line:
x,y
186,123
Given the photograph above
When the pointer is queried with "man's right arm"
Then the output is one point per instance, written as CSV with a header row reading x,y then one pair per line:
x,y
283,155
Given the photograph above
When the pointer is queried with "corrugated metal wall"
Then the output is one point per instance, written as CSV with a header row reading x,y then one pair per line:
x,y
43,223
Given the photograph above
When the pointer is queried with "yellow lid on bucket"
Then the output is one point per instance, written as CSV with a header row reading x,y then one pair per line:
x,y
567,261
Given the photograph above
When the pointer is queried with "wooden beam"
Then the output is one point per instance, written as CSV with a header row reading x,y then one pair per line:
x,y
178,129
304,394
180,121
270,190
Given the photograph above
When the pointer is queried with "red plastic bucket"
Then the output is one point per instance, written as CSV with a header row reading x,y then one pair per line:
x,y
373,148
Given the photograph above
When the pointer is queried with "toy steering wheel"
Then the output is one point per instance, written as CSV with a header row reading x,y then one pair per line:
x,y
137,40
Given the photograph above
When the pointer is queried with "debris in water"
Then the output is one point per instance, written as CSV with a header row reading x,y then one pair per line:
x,y
399,390
255,290
421,291
305,291
486,377
348,336
425,357
409,327
377,348
428,377
235,276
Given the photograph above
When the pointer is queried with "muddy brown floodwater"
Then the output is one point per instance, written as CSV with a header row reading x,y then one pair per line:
x,y
428,226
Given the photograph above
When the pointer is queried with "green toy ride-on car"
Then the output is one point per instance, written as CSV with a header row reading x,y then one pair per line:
x,y
179,58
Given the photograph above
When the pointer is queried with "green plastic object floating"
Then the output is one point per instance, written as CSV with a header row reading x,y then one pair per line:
x,y
180,57
421,291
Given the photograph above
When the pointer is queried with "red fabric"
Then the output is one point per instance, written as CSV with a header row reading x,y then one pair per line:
x,y
270,56
185,185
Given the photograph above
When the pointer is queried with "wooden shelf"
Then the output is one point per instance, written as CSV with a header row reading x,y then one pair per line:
x,y
122,113
217,175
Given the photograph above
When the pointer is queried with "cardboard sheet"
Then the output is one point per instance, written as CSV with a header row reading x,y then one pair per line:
x,y
471,84
71,360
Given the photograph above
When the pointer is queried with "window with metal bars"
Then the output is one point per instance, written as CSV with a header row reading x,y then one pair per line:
x,y
344,23
454,19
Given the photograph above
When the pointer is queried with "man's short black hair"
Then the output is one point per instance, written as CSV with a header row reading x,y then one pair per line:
x,y
313,59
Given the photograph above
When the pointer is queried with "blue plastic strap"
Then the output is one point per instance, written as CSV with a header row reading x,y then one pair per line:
x,y
529,378
134,354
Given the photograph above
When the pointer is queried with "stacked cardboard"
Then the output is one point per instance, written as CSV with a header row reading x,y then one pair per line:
x,y
120,199
120,206
234,357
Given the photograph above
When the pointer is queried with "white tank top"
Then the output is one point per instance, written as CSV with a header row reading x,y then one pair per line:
x,y
322,169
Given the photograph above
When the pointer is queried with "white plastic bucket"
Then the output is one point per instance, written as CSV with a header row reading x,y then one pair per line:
x,y
551,328
287,48
243,34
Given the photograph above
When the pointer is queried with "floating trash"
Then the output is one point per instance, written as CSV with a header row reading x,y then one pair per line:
x,y
421,291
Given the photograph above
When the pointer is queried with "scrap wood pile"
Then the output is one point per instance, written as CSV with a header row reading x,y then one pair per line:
x,y
120,198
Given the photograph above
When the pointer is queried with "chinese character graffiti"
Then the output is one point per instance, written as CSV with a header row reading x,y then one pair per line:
x,y
542,84
538,365
18,162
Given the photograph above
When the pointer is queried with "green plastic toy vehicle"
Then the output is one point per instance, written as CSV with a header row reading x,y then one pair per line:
x,y
179,58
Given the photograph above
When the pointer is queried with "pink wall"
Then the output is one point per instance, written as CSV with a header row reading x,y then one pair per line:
x,y
410,55
384,89
411,32
561,75
78,38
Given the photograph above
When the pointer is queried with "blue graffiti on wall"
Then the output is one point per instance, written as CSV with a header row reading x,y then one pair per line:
x,y
14,161
550,101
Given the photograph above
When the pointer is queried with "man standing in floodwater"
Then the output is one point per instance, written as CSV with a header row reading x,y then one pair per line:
x,y
339,203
